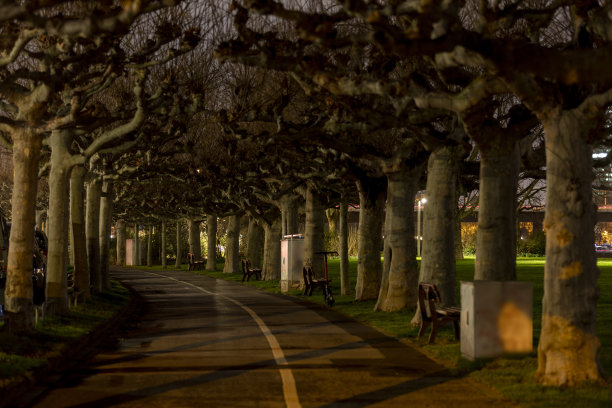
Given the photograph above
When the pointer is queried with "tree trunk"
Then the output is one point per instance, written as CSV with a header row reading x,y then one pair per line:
x,y
438,253
400,278
92,232
345,284
177,264
272,250
18,307
56,292
194,239
163,245
106,218
149,245
289,215
255,242
41,216
568,349
120,231
136,249
232,246
314,235
496,234
81,277
458,243
371,210
211,233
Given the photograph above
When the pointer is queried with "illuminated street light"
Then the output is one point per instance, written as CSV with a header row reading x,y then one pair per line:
x,y
419,237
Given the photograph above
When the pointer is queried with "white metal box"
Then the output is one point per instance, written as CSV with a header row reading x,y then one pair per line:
x,y
292,260
496,318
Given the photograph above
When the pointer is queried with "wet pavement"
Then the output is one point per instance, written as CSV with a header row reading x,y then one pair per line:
x,y
201,342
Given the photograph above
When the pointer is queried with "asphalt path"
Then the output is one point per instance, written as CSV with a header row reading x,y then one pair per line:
x,y
202,342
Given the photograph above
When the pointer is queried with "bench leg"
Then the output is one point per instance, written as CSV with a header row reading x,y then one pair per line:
x,y
456,328
424,325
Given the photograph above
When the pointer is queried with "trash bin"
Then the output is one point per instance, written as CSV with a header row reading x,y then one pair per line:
x,y
292,260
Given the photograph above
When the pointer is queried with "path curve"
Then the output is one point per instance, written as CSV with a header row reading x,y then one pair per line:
x,y
202,342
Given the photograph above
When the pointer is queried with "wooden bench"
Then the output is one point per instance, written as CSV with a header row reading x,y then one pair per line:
x,y
193,264
310,283
247,271
433,314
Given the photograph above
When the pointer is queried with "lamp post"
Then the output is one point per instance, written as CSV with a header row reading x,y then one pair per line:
x,y
419,238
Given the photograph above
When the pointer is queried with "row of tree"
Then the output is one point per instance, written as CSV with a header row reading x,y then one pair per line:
x,y
322,103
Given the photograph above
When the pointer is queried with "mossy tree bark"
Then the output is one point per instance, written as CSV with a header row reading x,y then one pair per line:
x,y
568,348
232,247
81,278
211,233
372,194
400,269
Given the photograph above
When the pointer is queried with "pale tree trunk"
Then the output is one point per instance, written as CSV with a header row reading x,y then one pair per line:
x,y
332,219
120,230
194,239
163,245
314,234
106,218
289,214
82,279
272,250
232,246
372,193
496,234
438,252
211,233
92,232
398,288
345,284
568,349
41,216
56,293
18,307
458,243
177,264
149,245
136,250
255,242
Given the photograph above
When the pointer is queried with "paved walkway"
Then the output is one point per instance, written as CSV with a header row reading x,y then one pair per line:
x,y
203,342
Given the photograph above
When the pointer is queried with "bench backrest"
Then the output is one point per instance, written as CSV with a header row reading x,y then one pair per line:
x,y
428,297
246,265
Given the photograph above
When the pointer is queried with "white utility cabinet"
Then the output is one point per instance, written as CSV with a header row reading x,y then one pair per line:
x,y
292,261
496,318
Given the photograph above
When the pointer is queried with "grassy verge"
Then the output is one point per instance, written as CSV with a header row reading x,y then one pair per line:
x,y
22,356
514,375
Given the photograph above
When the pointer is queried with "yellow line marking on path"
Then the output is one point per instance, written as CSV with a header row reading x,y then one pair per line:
x,y
290,393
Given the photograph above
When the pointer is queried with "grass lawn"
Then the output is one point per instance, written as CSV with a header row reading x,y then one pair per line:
x,y
512,375
23,356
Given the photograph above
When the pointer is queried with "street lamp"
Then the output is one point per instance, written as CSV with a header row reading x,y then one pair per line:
x,y
420,204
